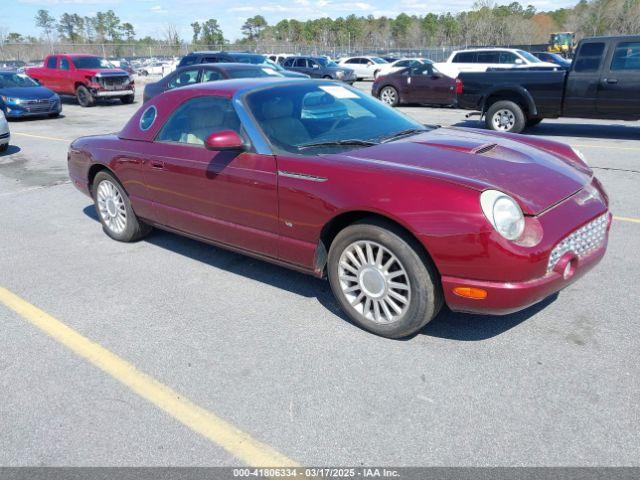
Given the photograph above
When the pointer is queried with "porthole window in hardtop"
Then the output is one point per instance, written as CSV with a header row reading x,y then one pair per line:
x,y
148,117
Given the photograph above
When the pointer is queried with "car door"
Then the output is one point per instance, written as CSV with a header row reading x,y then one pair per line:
x,y
65,80
583,82
188,76
619,89
487,59
314,69
429,86
356,64
48,74
224,196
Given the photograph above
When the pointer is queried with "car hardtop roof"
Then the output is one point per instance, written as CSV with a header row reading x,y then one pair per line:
x,y
230,87
483,49
226,65
214,52
75,55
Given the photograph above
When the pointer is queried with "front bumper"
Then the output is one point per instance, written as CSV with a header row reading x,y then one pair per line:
x,y
14,111
508,297
114,93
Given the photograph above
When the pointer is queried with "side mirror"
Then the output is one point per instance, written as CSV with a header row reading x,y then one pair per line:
x,y
224,140
519,61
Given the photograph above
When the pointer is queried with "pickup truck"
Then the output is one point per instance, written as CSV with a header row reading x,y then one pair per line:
x,y
87,77
603,83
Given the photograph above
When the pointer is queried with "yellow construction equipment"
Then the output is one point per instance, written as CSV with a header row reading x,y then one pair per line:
x,y
562,43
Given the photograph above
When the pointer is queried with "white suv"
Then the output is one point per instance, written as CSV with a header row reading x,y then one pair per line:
x,y
365,67
4,133
480,59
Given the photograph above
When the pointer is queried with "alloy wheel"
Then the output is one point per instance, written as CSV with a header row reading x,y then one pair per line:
x,y
111,207
374,281
388,96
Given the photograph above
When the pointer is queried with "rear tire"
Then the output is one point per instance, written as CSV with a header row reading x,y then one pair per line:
x,y
389,95
84,97
383,280
114,210
505,116
128,99
4,148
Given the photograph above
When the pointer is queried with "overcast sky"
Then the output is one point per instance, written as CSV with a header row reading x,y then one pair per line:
x,y
150,17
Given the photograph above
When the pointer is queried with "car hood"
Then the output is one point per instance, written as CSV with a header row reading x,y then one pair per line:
x,y
107,72
535,176
27,93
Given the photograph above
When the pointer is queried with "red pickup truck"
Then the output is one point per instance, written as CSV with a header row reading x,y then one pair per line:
x,y
87,77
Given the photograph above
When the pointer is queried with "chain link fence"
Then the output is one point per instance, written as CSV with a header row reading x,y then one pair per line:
x,y
34,53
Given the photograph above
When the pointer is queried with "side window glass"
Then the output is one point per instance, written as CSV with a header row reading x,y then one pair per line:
x,y
507,57
301,63
186,77
51,62
626,56
193,121
210,60
210,76
64,64
352,60
589,57
464,57
488,57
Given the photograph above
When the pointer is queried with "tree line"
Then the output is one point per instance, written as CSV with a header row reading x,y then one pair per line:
x,y
485,24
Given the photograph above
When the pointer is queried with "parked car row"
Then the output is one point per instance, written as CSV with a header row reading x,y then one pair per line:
x,y
602,82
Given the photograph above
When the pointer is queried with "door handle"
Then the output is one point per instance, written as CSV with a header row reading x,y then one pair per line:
x,y
610,80
157,164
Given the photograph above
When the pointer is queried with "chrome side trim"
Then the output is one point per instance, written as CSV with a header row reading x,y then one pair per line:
x,y
302,176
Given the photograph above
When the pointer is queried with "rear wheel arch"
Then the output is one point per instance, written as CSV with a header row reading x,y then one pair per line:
x,y
345,219
521,98
97,168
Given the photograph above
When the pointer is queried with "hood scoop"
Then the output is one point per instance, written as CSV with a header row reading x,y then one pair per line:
x,y
484,148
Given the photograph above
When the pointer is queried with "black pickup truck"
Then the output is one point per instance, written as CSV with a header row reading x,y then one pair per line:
x,y
603,82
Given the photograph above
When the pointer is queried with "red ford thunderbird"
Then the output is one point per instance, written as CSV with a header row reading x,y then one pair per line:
x,y
317,176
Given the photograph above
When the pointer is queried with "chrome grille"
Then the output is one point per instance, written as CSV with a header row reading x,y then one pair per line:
x,y
581,242
35,106
114,82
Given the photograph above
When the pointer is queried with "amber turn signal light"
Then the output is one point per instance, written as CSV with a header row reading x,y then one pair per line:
x,y
471,292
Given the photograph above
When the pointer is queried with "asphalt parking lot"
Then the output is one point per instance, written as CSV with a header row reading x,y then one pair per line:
x,y
247,345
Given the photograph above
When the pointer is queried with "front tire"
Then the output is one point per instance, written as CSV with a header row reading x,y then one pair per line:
x,y
84,97
114,210
505,116
383,280
4,148
389,95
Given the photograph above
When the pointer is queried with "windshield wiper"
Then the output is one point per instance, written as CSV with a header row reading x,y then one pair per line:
x,y
402,133
354,141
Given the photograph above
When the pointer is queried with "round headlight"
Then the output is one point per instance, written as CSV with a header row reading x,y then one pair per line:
x,y
503,213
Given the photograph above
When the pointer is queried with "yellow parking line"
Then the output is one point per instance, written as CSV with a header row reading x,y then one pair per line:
x,y
627,219
238,443
607,146
41,137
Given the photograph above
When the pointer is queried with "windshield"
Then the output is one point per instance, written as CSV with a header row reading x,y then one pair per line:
x,y
530,58
91,62
248,58
11,80
267,71
295,116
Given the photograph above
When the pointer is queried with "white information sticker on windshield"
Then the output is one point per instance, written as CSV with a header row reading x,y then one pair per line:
x,y
338,92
